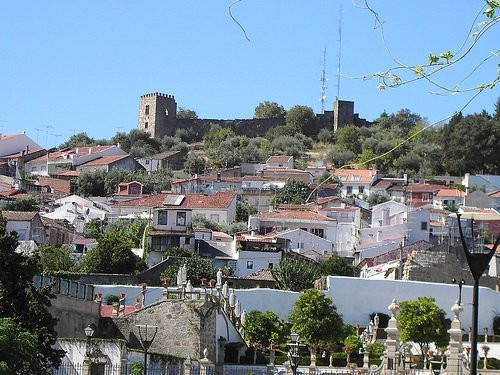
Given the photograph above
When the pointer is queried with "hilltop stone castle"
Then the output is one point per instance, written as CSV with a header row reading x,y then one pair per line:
x,y
158,117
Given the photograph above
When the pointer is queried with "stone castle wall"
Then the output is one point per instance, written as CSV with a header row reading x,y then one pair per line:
x,y
158,117
185,327
441,267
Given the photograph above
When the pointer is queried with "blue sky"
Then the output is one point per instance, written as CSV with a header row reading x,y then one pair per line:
x,y
82,65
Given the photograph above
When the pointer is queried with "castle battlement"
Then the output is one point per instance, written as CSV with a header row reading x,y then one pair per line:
x,y
158,94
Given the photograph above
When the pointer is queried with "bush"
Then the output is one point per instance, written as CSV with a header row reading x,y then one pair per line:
x,y
111,298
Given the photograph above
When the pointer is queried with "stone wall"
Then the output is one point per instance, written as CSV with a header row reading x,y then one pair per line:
x,y
73,315
186,328
441,267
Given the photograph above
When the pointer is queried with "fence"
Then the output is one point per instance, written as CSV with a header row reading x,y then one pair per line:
x,y
114,369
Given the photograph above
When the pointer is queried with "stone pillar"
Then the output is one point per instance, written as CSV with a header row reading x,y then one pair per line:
x,y
188,365
391,343
454,360
86,366
313,358
206,366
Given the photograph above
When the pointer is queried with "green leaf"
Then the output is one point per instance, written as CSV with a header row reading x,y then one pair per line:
x,y
433,59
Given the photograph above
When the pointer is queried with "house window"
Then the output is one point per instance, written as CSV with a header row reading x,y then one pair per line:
x,y
249,264
162,217
33,169
356,178
318,232
361,189
187,240
146,111
181,218
147,161
146,125
423,225
214,217
425,196
43,168
349,189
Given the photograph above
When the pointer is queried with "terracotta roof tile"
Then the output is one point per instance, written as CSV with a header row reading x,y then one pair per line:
x,y
105,160
423,188
450,193
19,215
278,159
356,175
62,186
191,201
293,215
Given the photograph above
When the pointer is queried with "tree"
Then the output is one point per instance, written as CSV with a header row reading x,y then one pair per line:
x,y
113,254
349,139
22,204
17,348
28,306
336,266
267,109
53,259
91,184
377,198
338,157
184,113
314,317
324,136
294,192
244,210
177,251
303,119
94,228
352,344
423,322
295,274
78,140
197,268
262,330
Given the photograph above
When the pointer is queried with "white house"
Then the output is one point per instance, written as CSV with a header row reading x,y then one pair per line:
x,y
485,182
59,161
449,198
280,161
348,224
301,240
281,220
356,181
27,225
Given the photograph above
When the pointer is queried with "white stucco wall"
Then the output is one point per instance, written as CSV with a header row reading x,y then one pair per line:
x,y
356,298
75,350
260,260
302,240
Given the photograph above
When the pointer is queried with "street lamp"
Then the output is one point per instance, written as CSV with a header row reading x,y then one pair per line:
x,y
477,261
460,284
89,332
147,334
293,352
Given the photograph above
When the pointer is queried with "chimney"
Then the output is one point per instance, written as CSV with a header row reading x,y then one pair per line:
x,y
90,150
138,303
76,151
115,309
405,178
379,232
218,177
121,308
27,149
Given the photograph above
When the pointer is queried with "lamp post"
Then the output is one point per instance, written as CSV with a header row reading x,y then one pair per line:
x,y
477,261
89,332
147,334
293,352
460,284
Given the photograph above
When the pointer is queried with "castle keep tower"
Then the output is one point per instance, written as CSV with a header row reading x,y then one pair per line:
x,y
157,113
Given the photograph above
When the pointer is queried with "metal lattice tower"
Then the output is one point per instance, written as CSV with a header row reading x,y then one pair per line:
x,y
324,82
340,52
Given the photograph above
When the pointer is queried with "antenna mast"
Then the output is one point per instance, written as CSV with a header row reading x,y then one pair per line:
x,y
324,81
340,52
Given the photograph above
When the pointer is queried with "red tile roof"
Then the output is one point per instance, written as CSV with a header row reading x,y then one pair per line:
x,y
293,215
85,150
450,193
68,173
105,160
262,275
285,170
190,201
107,311
278,159
62,186
423,188
208,179
18,154
363,176
19,215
